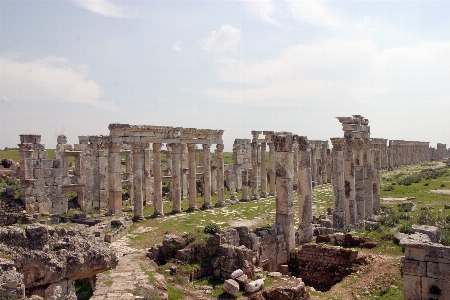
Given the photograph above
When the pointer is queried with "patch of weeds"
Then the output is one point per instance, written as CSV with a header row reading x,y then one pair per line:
x,y
389,221
109,283
389,188
445,237
442,185
146,294
372,227
173,293
405,207
211,229
406,228
404,216
150,275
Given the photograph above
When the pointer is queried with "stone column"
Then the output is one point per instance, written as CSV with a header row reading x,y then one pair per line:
x,y
349,182
313,164
138,160
245,196
323,159
206,176
368,184
157,180
339,218
129,171
255,195
169,160
192,148
359,182
272,164
176,177
284,204
305,229
220,176
376,167
115,179
263,172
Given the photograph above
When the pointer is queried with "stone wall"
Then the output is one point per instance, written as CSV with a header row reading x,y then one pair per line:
x,y
319,264
425,268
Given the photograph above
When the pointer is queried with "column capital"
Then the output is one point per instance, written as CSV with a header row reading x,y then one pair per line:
x,y
220,147
283,141
302,142
206,147
157,147
115,147
176,147
192,147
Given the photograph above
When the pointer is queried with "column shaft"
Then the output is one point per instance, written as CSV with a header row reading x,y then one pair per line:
x,y
176,177
305,230
138,159
206,177
115,179
263,171
220,176
192,148
157,180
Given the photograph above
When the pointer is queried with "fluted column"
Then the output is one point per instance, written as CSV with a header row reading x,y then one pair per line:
x,y
272,164
115,179
206,176
220,176
263,172
176,177
305,229
157,180
138,159
192,150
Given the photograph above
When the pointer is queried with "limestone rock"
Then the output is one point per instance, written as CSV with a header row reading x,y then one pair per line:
x,y
47,255
254,286
288,288
236,273
231,287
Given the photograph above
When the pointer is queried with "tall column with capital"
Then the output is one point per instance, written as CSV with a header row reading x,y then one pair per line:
x,y
115,179
138,176
176,177
206,176
263,171
157,180
192,148
359,182
284,202
255,195
305,216
272,164
220,176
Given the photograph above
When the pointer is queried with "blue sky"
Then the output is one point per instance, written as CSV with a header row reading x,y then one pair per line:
x,y
73,67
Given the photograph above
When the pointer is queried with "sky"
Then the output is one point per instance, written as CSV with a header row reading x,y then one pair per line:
x,y
74,66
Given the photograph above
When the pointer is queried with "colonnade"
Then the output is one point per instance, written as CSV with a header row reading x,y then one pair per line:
x,y
402,153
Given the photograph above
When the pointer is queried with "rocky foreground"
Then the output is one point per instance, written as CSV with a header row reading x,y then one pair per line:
x,y
42,262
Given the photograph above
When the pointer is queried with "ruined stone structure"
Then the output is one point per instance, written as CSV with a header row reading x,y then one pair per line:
x,y
403,153
425,268
319,162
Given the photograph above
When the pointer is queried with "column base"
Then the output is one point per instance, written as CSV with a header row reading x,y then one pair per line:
x,y
255,197
207,206
158,215
305,233
220,204
138,218
272,194
264,195
191,209
176,211
245,199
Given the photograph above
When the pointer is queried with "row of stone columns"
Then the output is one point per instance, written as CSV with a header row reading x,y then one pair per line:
x,y
402,153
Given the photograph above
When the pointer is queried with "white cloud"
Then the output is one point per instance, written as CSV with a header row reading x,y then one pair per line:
x,y
345,74
226,39
51,79
177,46
104,7
262,8
314,13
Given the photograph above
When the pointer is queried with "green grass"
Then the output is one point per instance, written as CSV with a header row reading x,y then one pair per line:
x,y
109,283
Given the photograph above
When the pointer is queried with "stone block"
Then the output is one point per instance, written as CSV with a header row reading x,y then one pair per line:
x,y
282,257
236,273
438,270
413,267
242,280
414,253
412,287
433,288
432,231
254,286
231,287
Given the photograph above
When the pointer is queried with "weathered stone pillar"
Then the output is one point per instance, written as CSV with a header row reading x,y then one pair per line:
x,y
176,177
376,167
324,162
338,190
129,171
313,164
192,148
305,229
359,181
368,184
255,195
284,204
157,180
115,179
245,196
206,176
220,176
138,175
263,172
169,160
349,183
272,165
184,171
